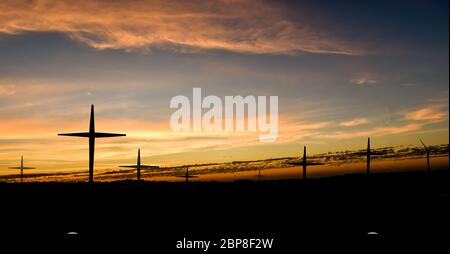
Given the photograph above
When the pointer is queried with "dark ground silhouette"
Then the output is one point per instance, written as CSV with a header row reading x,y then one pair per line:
x,y
406,209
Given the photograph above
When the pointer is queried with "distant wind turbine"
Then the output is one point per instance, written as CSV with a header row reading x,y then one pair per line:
x,y
21,168
368,156
92,135
368,153
138,166
305,163
187,176
259,175
427,150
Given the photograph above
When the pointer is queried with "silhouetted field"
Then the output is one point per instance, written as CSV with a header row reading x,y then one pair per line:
x,y
405,208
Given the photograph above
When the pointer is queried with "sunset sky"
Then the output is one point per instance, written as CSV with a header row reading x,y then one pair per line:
x,y
343,71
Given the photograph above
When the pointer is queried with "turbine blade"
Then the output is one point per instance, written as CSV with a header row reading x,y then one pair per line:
x,y
423,144
295,163
314,163
79,134
149,167
108,135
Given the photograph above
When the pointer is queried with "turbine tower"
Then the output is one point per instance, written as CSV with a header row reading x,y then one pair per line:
x,y
427,150
368,153
138,166
21,168
186,176
368,156
305,163
259,174
92,135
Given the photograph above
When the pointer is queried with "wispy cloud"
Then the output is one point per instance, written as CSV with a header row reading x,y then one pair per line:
x,y
354,122
7,90
253,26
364,79
429,114
378,131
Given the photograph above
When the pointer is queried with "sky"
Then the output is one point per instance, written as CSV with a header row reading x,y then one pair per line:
x,y
343,71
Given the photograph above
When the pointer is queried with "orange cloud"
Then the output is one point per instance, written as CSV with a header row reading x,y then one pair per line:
x,y
354,122
379,131
7,90
253,26
432,114
364,79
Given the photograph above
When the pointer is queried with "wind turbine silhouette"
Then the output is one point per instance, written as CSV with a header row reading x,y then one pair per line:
x,y
92,135
21,168
427,150
187,176
305,163
138,166
368,156
368,153
259,175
